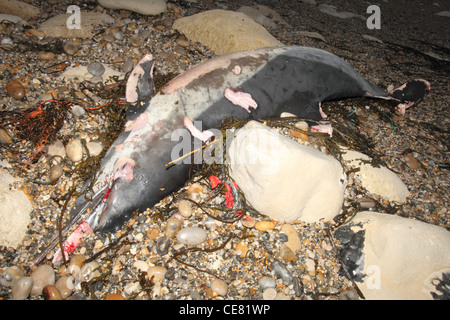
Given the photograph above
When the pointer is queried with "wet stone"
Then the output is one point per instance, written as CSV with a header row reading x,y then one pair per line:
x,y
78,111
5,138
15,89
192,236
74,150
282,272
162,245
42,276
349,295
70,49
11,275
96,69
172,227
55,172
65,286
185,208
90,271
44,55
219,286
22,288
78,296
156,273
266,282
269,294
127,66
114,296
297,286
264,225
50,292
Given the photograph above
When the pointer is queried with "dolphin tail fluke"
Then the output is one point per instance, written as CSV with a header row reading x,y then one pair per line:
x,y
406,95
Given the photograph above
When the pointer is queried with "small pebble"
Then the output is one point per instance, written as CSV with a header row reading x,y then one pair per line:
x,y
287,254
78,111
50,292
266,282
192,236
264,225
269,294
185,208
42,276
15,89
162,245
156,273
65,286
141,265
219,286
77,260
118,36
412,162
294,242
74,150
70,49
310,266
282,272
349,295
22,288
366,203
11,275
5,138
44,55
94,148
242,249
132,287
172,227
127,66
57,149
90,271
109,38
55,172
183,43
300,135
302,125
96,69
248,222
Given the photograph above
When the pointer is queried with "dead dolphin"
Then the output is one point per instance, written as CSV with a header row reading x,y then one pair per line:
x,y
248,85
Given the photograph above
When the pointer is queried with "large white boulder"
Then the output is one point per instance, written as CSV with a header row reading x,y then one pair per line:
x,y
145,7
225,31
377,180
283,179
391,257
57,26
15,210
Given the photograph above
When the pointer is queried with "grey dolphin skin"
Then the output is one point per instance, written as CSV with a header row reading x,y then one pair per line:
x,y
253,84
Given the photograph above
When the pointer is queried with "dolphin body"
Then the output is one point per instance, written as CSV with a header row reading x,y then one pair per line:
x,y
253,84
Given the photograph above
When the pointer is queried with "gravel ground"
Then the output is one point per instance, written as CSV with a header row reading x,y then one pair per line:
x,y
239,253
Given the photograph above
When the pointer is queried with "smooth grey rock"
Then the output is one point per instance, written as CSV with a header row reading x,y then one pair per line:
x,y
192,236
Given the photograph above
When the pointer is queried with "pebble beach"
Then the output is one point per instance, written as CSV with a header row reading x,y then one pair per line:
x,y
189,246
